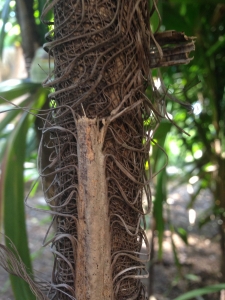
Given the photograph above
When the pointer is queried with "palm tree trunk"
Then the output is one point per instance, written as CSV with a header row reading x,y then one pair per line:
x,y
101,52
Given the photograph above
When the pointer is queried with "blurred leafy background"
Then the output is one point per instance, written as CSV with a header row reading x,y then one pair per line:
x,y
196,161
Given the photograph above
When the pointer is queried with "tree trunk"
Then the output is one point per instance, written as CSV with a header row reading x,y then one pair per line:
x,y
99,143
30,37
220,204
101,52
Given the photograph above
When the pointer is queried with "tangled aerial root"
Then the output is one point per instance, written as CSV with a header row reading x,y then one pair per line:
x,y
102,64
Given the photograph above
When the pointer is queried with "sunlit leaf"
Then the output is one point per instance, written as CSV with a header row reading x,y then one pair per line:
x,y
159,159
182,234
11,115
12,199
204,291
14,88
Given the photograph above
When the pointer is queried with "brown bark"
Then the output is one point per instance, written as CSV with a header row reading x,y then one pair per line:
x,y
102,57
171,48
101,54
93,270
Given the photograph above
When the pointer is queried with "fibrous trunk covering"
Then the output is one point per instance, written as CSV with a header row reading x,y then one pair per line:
x,y
99,146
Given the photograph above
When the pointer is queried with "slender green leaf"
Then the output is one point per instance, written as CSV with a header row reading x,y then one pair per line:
x,y
4,17
175,253
12,195
14,88
205,220
204,291
158,208
194,197
199,1
160,196
12,114
182,234
215,47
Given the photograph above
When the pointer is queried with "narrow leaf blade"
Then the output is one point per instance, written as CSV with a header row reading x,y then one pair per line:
x,y
12,194
14,88
204,291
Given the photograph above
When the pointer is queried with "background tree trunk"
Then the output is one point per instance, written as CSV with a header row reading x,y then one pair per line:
x,y
31,39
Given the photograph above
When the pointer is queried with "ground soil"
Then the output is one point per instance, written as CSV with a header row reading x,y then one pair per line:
x,y
200,260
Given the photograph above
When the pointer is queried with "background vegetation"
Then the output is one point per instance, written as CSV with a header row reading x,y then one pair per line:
x,y
198,159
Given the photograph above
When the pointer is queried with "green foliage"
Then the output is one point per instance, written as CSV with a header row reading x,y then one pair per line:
x,y
18,142
175,252
16,149
14,215
159,161
199,156
204,291
14,88
182,234
202,85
